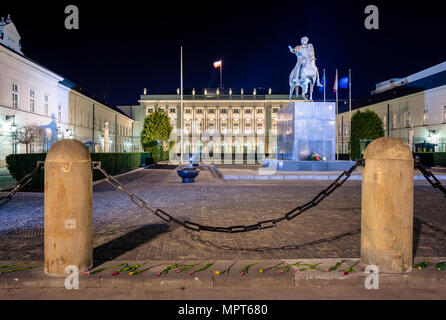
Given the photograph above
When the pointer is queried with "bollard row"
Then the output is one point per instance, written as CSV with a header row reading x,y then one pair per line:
x,y
267,224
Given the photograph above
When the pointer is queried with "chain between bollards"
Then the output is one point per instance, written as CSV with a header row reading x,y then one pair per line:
x,y
428,175
266,224
21,184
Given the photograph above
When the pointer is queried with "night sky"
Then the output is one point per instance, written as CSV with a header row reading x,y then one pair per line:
x,y
121,49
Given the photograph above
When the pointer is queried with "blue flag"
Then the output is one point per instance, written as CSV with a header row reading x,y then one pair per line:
x,y
343,83
324,83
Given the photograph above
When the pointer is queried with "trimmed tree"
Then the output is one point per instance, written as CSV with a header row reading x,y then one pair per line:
x,y
365,126
156,128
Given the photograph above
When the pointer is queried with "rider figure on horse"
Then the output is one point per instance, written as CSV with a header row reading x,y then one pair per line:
x,y
305,67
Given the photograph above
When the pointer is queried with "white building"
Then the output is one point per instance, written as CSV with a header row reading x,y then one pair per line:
x,y
30,94
417,101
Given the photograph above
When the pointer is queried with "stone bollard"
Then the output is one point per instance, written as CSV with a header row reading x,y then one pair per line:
x,y
68,208
387,206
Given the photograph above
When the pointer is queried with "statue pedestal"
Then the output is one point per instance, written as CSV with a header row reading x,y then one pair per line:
x,y
305,128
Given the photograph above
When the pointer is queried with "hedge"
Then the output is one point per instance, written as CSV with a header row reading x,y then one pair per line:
x,y
432,159
20,165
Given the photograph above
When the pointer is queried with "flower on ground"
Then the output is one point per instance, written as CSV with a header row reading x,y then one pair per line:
x,y
227,270
245,270
421,266
210,264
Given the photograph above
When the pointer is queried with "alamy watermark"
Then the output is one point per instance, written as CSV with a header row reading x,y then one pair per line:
x,y
72,20
372,20
372,281
72,281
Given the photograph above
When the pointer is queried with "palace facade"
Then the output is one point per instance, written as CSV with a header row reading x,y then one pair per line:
x,y
210,113
412,109
31,94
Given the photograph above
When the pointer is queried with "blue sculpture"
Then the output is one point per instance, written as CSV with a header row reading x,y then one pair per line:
x,y
305,73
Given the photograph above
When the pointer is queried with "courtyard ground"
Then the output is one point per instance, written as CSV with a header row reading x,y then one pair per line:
x,y
124,232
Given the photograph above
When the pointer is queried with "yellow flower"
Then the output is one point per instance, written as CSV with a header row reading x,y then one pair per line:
x,y
261,271
419,267
131,273
438,269
217,273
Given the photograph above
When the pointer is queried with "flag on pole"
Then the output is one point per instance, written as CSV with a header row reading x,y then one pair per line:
x,y
217,64
343,83
324,83
335,88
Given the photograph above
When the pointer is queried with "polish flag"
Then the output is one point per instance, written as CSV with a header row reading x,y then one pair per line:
x,y
217,64
335,88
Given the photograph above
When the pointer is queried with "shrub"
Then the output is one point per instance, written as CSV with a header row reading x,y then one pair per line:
x,y
440,159
19,165
365,126
116,163
431,159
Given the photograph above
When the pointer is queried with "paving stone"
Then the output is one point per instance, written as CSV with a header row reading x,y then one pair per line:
x,y
125,232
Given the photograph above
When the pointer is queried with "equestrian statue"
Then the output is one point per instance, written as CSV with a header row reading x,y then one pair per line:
x,y
305,73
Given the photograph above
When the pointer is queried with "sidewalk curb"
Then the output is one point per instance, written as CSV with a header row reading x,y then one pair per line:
x,y
35,278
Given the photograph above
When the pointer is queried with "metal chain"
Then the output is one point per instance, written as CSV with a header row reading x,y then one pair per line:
x,y
21,184
267,224
428,175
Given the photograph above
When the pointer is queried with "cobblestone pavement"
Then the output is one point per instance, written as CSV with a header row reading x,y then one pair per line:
x,y
124,231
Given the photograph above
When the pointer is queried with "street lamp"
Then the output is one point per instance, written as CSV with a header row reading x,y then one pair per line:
x,y
59,134
13,130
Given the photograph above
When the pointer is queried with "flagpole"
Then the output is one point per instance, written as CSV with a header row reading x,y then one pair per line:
x,y
337,109
325,87
350,98
181,107
221,75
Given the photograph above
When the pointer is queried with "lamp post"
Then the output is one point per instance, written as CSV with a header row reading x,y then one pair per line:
x,y
13,130
59,134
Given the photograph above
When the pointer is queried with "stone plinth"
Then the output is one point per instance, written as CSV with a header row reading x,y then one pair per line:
x,y
305,128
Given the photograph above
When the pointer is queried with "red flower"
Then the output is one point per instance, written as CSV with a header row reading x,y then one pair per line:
x,y
346,273
115,274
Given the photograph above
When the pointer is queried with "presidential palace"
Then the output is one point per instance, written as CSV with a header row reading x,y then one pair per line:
x,y
31,94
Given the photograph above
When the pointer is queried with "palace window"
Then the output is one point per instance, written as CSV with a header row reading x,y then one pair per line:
x,y
248,111
444,114
235,111
425,117
199,111
150,110
275,110
407,124
172,110
32,100
259,111
15,96
211,111
224,111
59,112
46,108
188,111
